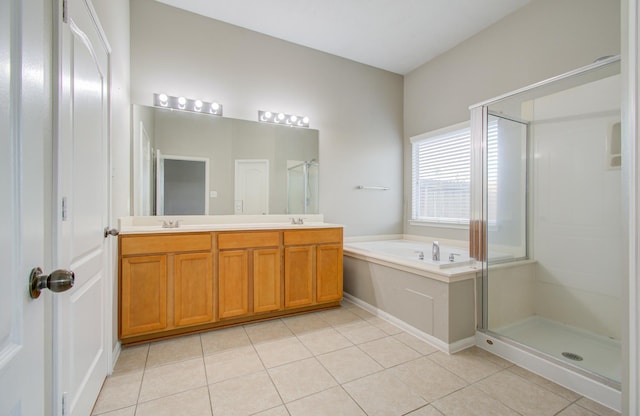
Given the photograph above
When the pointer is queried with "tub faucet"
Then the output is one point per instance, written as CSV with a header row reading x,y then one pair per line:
x,y
420,254
435,251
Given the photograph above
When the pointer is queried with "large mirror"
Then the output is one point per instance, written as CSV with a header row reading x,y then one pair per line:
x,y
188,164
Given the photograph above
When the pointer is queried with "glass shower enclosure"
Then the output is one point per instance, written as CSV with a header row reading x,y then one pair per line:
x,y
547,222
302,187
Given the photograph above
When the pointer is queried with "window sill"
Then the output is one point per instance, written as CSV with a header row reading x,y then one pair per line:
x,y
449,225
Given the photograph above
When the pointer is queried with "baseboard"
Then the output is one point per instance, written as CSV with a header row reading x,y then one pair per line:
x,y
114,356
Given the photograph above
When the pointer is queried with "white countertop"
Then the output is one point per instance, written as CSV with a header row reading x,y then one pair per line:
x,y
195,223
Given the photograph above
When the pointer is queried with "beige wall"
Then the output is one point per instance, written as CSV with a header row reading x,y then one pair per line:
x,y
356,108
543,39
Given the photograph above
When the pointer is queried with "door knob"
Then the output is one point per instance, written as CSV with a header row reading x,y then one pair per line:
x,y
110,231
57,281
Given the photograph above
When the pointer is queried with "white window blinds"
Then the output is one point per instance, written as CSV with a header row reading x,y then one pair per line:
x,y
441,174
441,177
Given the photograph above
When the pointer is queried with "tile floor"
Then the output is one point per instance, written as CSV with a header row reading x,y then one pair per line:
x,y
338,362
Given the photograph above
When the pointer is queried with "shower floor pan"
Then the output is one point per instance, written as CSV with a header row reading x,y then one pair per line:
x,y
594,353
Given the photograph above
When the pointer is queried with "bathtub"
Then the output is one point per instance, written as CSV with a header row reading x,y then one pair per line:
x,y
434,300
414,253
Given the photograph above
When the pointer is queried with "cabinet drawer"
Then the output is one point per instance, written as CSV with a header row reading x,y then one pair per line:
x,y
324,235
248,240
174,243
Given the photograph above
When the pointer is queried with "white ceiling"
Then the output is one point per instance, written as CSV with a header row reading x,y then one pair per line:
x,y
395,35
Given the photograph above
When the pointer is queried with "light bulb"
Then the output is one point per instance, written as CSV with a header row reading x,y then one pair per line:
x,y
181,102
281,116
305,120
163,99
293,119
197,105
215,107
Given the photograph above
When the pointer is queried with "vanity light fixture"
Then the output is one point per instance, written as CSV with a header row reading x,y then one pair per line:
x,y
282,118
186,104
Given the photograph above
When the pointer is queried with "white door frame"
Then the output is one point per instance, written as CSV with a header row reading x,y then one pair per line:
x,y
631,174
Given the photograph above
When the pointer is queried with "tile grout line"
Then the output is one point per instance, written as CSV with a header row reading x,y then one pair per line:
x,y
206,376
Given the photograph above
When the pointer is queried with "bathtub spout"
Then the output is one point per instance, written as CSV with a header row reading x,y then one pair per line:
x,y
435,251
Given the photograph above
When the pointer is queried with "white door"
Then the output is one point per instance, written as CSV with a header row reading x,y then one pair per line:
x,y
23,112
81,334
252,187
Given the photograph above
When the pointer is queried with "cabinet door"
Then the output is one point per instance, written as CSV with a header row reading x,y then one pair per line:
x,y
233,283
298,276
266,280
193,288
143,303
329,273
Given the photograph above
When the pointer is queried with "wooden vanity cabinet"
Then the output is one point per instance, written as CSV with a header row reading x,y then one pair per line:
x,y
166,282
249,278
143,294
313,266
179,282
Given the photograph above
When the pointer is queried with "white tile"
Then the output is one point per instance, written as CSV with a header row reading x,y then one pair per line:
x,y
426,411
173,350
544,383
300,379
172,378
382,394
471,401
428,379
276,411
389,351
415,343
349,364
575,410
189,403
132,359
521,395
596,408
118,391
223,339
334,402
232,363
244,395
470,364
304,323
268,331
127,411
323,341
282,351
340,316
361,333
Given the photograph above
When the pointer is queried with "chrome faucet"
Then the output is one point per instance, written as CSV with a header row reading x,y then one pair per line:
x,y
420,254
435,251
170,223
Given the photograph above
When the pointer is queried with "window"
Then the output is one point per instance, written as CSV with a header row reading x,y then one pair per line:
x,y
441,174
